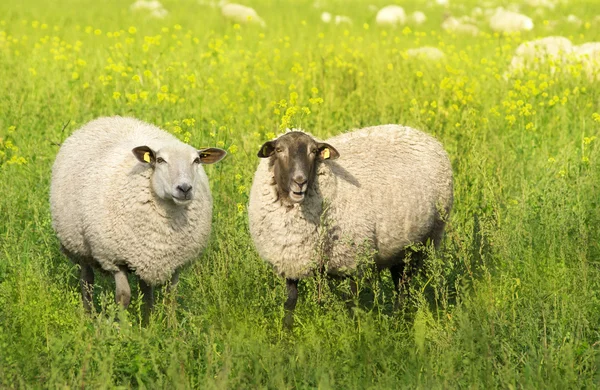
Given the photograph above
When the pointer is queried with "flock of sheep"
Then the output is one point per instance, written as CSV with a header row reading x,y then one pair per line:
x,y
128,197
535,53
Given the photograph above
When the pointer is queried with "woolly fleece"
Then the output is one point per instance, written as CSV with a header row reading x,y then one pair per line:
x,y
383,193
105,213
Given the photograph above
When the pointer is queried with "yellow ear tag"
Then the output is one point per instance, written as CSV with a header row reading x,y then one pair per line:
x,y
325,153
147,157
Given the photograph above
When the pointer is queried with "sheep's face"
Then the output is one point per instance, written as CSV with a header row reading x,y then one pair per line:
x,y
293,158
177,169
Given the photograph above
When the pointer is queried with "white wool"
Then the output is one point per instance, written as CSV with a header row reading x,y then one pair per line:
x,y
591,49
326,17
391,15
574,20
240,14
341,19
550,4
104,208
476,12
153,8
159,13
426,53
418,17
146,5
372,8
454,25
533,54
385,192
509,21
560,52
588,55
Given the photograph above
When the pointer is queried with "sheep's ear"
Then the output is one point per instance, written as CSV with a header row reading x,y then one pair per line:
x,y
267,149
327,152
211,155
144,154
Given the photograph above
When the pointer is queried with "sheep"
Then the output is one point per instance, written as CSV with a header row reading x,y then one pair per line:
x,y
127,196
426,53
391,15
509,21
327,17
154,7
574,20
240,13
532,54
311,202
588,54
418,17
453,25
342,19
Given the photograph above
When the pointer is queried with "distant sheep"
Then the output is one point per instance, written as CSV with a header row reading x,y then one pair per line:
x,y
509,21
389,187
426,53
240,14
588,54
127,196
418,17
154,7
533,54
454,25
391,15
327,17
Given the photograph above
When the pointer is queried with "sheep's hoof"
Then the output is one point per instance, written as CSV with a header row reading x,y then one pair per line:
x,y
288,320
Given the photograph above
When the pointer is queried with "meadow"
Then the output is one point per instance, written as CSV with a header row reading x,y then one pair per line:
x,y
511,299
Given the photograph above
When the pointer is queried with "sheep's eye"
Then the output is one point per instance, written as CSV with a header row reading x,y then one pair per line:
x,y
197,160
279,150
160,160
314,151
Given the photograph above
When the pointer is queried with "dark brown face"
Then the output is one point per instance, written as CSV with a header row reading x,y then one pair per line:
x,y
294,157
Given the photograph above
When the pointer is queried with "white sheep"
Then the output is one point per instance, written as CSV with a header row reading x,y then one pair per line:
x,y
418,17
326,17
509,21
240,13
391,187
588,54
391,15
572,19
533,54
154,7
426,53
127,196
342,19
453,25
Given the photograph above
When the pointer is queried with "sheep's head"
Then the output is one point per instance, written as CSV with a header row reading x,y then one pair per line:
x,y
293,158
177,169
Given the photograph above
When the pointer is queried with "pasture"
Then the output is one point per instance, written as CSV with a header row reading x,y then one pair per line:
x,y
511,299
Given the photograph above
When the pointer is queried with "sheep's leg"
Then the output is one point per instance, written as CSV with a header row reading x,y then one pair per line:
x,y
86,281
396,272
174,281
290,303
399,278
122,291
403,272
148,300
353,297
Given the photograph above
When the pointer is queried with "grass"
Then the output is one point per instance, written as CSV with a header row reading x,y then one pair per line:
x,y
510,301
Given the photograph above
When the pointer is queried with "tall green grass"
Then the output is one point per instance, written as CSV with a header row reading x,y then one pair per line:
x,y
511,299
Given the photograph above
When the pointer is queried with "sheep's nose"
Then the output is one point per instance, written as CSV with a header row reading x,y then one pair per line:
x,y
184,188
300,180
